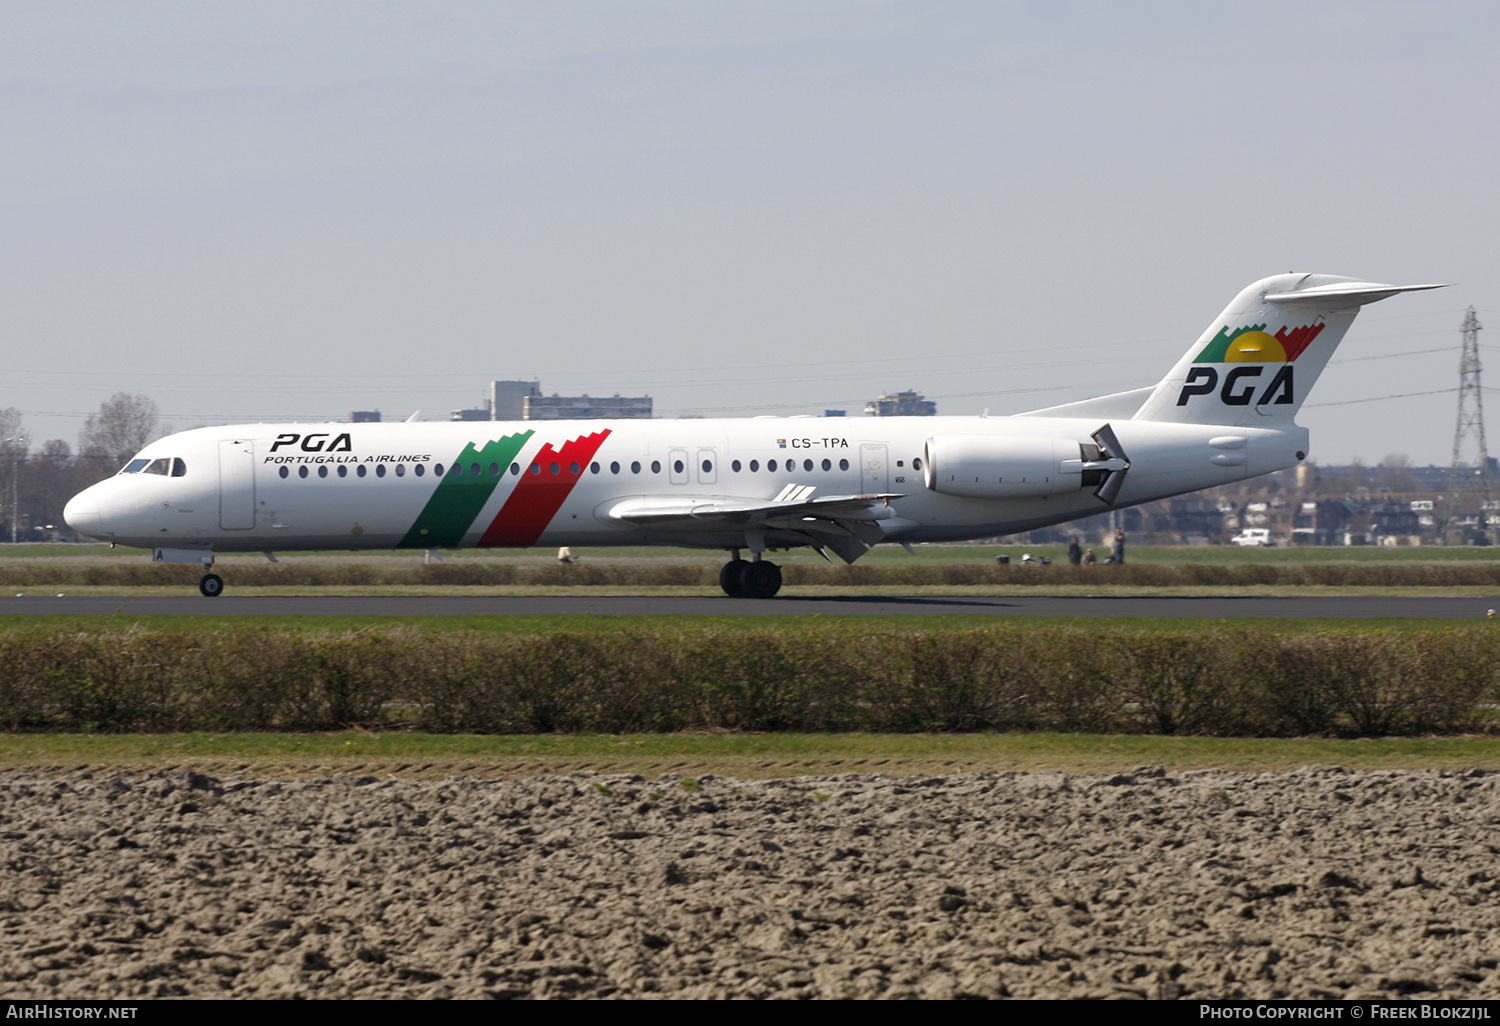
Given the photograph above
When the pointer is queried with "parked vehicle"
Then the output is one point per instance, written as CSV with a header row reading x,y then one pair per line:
x,y
1254,537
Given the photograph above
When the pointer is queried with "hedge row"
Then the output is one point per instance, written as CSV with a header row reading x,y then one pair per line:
x,y
1223,682
625,574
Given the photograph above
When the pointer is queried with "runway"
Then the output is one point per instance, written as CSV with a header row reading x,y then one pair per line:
x,y
1093,607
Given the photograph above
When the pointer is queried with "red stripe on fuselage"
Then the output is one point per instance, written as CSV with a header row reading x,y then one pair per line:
x,y
537,497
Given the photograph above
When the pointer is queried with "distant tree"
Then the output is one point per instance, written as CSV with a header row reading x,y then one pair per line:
x,y
121,428
13,437
48,480
14,444
1396,475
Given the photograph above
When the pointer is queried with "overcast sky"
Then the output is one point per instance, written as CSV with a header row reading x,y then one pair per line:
x,y
291,210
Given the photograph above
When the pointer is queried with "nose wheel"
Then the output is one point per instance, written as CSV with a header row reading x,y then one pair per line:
x,y
741,578
212,585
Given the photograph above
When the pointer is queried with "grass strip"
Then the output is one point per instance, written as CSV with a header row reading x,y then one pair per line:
x,y
476,573
691,755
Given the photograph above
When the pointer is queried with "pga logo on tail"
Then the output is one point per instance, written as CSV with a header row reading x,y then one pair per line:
x,y
1250,345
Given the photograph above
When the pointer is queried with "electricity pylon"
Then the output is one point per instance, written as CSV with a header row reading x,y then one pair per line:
x,y
1470,410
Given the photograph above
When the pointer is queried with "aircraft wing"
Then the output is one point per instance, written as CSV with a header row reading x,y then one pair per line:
x,y
847,524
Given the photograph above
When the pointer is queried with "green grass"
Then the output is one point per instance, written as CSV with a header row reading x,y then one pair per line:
x,y
1213,555
572,623
750,755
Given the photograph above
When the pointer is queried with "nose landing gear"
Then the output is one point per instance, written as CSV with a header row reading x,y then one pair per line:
x,y
212,585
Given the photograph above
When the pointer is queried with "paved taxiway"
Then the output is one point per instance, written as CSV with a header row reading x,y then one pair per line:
x,y
1334,607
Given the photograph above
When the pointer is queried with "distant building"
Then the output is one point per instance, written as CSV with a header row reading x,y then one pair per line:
x,y
583,407
902,404
833,413
365,417
508,398
523,400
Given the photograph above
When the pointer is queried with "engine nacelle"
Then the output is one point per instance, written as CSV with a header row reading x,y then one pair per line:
x,y
1007,466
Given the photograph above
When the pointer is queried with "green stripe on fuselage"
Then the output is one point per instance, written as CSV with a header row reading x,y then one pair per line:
x,y
458,498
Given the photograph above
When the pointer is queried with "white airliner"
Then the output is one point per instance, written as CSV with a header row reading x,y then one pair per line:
x,y
1225,412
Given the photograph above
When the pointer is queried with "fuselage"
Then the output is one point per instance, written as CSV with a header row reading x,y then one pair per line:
x,y
275,487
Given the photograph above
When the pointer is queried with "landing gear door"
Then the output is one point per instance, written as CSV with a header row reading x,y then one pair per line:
x,y
236,484
874,467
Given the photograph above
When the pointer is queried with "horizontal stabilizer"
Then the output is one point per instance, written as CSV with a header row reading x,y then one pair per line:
x,y
1118,406
1345,293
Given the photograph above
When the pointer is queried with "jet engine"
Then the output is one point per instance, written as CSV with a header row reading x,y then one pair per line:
x,y
1011,466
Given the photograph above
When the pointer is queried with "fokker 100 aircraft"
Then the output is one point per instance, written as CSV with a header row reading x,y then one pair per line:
x,y
1225,412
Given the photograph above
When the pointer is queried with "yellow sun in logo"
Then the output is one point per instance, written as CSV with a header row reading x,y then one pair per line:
x,y
1255,347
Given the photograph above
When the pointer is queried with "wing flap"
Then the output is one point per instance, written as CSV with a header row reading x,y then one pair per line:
x,y
666,509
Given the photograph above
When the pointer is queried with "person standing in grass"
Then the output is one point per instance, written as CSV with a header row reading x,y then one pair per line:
x,y
1119,553
1075,552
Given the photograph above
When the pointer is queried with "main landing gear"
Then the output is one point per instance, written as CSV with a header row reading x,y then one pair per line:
x,y
212,585
742,578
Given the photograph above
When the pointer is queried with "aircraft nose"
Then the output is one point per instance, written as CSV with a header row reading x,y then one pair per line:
x,y
85,513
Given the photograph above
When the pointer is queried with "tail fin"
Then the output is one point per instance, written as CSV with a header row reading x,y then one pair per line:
x,y
1260,357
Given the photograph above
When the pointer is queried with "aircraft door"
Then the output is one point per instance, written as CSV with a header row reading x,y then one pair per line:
x,y
874,467
677,466
708,466
236,484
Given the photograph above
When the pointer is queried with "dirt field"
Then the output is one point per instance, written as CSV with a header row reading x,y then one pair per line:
x,y
1320,882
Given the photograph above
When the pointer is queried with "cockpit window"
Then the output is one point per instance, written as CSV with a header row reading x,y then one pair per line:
x,y
166,466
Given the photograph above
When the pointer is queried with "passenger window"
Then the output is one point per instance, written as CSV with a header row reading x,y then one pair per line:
x,y
735,466
301,471
827,464
843,464
656,466
754,466
807,465
380,470
536,468
708,466
677,466
573,469
401,470
614,468
322,471
283,472
593,468
179,468
553,468
344,471
635,466
419,470
494,470
515,469
771,466
475,470
360,470
437,470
